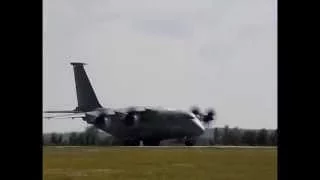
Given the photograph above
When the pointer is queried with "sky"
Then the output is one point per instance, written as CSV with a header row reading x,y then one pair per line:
x,y
219,54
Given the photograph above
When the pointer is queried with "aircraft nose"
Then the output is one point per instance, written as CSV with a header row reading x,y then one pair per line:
x,y
199,129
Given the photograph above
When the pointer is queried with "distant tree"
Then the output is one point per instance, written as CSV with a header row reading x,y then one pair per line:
x,y
73,139
54,138
234,136
225,137
64,139
91,134
43,139
216,136
82,139
262,137
249,137
231,136
274,138
59,139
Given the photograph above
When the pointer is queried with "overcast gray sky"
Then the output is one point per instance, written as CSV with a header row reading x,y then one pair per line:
x,y
169,53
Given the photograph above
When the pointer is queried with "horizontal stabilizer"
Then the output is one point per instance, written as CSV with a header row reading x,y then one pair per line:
x,y
54,112
76,110
72,116
65,114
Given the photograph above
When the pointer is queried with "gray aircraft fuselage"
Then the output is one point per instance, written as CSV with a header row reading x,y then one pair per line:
x,y
149,124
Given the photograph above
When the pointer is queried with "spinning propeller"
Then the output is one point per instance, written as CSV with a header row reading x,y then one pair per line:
x,y
207,117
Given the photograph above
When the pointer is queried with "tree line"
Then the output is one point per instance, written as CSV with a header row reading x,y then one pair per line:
x,y
236,136
220,136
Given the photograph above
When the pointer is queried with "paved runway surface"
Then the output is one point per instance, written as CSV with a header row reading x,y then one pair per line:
x,y
213,147
218,147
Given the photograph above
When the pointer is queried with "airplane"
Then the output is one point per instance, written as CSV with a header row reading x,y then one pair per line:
x,y
134,124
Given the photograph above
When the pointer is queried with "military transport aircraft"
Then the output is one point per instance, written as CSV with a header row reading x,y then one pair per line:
x,y
132,125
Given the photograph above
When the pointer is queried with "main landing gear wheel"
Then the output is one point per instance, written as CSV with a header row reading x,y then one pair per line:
x,y
189,141
151,142
131,143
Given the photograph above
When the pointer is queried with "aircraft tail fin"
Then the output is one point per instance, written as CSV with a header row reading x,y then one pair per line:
x,y
87,99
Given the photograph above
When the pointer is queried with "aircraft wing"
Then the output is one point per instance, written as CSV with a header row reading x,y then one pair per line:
x,y
66,114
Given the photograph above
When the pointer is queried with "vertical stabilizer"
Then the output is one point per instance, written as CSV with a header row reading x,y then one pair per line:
x,y
87,99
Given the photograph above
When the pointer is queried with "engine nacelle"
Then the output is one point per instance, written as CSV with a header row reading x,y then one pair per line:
x,y
101,119
95,117
131,119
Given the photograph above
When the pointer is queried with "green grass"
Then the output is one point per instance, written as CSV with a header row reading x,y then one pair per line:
x,y
97,163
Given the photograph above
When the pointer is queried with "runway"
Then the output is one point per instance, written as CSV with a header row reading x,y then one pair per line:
x,y
217,147
176,147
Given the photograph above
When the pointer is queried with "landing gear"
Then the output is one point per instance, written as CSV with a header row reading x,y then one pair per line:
x,y
131,142
151,142
189,141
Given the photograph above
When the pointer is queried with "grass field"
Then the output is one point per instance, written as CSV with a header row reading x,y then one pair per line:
x,y
104,163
